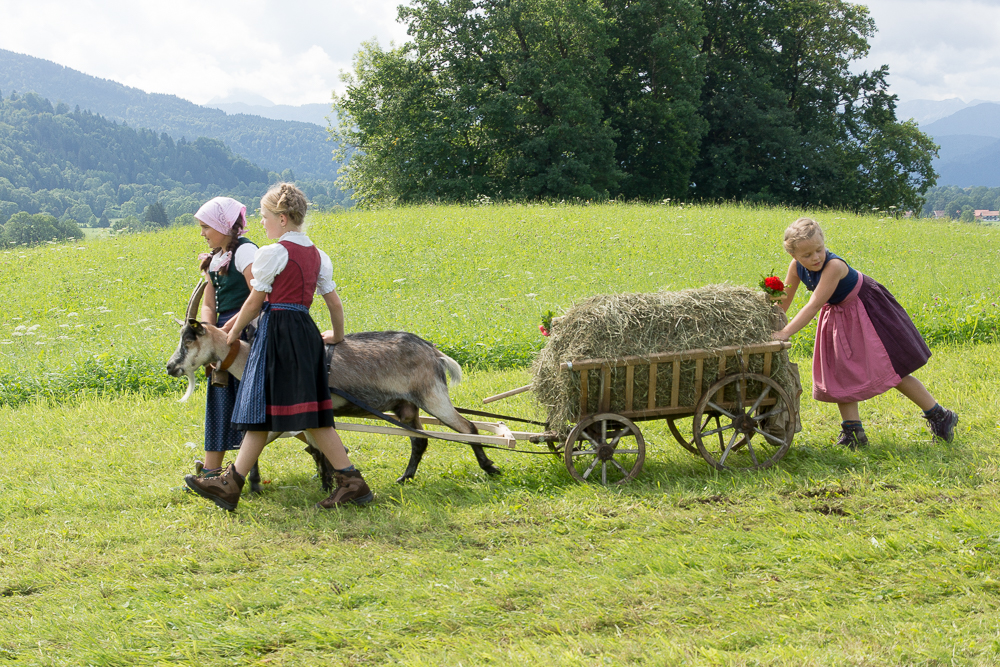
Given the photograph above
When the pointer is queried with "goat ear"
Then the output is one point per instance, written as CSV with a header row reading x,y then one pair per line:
x,y
196,325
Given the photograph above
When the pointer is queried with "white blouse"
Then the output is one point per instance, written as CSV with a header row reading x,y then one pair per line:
x,y
271,260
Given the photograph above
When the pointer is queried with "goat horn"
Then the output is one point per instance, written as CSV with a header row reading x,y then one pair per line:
x,y
194,303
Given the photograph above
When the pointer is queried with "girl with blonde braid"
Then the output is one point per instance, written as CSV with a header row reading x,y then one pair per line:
x,y
285,384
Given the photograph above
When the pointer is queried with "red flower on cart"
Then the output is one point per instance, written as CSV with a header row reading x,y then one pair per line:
x,y
773,286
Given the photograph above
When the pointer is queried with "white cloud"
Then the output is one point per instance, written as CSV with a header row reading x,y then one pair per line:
x,y
289,52
937,49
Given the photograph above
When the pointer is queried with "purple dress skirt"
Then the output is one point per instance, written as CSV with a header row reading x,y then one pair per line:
x,y
865,345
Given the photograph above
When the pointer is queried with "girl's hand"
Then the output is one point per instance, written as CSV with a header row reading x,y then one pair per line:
x,y
328,337
233,336
228,326
782,335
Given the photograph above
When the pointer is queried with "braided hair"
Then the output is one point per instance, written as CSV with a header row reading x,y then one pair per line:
x,y
286,199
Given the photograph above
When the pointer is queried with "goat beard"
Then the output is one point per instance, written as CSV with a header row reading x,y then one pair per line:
x,y
190,389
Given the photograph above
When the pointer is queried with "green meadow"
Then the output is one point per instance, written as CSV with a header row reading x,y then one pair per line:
x,y
98,316
884,556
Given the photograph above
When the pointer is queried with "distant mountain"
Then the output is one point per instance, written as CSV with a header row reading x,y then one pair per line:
x,y
928,111
955,146
970,146
982,119
275,145
79,165
975,168
306,113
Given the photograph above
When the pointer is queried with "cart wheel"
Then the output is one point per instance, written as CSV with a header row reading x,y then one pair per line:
x,y
743,440
595,443
685,442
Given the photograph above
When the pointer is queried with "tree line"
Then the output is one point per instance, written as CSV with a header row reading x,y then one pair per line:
x,y
749,100
274,145
79,166
960,203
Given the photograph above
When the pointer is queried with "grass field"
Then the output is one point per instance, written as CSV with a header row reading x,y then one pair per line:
x,y
886,556
99,315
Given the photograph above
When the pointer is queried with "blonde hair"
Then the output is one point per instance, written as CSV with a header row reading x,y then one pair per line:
x,y
286,199
802,229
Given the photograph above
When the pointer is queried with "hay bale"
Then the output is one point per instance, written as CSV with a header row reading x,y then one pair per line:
x,y
618,325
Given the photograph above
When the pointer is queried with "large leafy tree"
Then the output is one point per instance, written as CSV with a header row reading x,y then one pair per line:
x,y
642,99
652,94
790,122
525,99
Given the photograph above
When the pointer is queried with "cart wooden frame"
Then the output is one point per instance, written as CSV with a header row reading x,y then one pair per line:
x,y
754,417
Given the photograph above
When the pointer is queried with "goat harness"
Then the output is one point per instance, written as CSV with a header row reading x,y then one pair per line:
x,y
220,378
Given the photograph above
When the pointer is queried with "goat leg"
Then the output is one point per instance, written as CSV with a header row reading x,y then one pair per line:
x,y
254,478
417,448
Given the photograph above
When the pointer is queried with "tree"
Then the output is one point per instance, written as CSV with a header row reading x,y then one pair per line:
x,y
654,84
27,229
496,97
103,223
789,122
132,225
156,214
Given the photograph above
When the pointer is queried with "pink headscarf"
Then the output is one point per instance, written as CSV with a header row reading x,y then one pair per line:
x,y
221,213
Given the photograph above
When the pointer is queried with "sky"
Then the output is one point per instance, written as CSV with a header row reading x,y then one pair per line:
x,y
292,51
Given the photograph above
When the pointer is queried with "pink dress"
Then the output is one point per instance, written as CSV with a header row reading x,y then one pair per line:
x,y
865,344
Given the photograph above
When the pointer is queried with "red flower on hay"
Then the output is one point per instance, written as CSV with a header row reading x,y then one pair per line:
x,y
773,286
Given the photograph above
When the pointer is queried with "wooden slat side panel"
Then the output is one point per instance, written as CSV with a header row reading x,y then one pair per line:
x,y
743,385
675,387
584,399
722,374
652,387
629,386
606,394
686,355
767,364
683,410
699,375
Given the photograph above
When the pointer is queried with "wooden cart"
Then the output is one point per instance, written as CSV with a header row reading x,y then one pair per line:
x,y
743,419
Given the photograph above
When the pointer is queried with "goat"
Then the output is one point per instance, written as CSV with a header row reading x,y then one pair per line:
x,y
391,371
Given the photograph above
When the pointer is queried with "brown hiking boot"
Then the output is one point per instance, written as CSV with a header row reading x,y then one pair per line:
x,y
223,490
351,488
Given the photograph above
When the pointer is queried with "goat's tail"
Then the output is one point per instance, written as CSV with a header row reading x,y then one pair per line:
x,y
452,368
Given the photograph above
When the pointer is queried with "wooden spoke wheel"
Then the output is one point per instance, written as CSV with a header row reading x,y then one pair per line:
x,y
747,434
605,448
686,441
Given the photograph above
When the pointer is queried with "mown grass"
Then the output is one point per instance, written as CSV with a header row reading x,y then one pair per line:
x,y
882,556
474,280
886,556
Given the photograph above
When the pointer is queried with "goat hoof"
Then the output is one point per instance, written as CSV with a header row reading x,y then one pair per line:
x,y
404,479
256,489
492,470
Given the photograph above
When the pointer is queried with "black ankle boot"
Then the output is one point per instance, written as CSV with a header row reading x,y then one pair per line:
x,y
941,422
852,435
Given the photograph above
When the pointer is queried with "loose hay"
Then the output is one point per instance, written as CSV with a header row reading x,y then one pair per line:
x,y
619,325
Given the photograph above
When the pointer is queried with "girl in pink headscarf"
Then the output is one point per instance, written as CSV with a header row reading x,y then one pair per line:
x,y
227,270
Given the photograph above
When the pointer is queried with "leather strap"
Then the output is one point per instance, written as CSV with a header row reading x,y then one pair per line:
x,y
234,349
